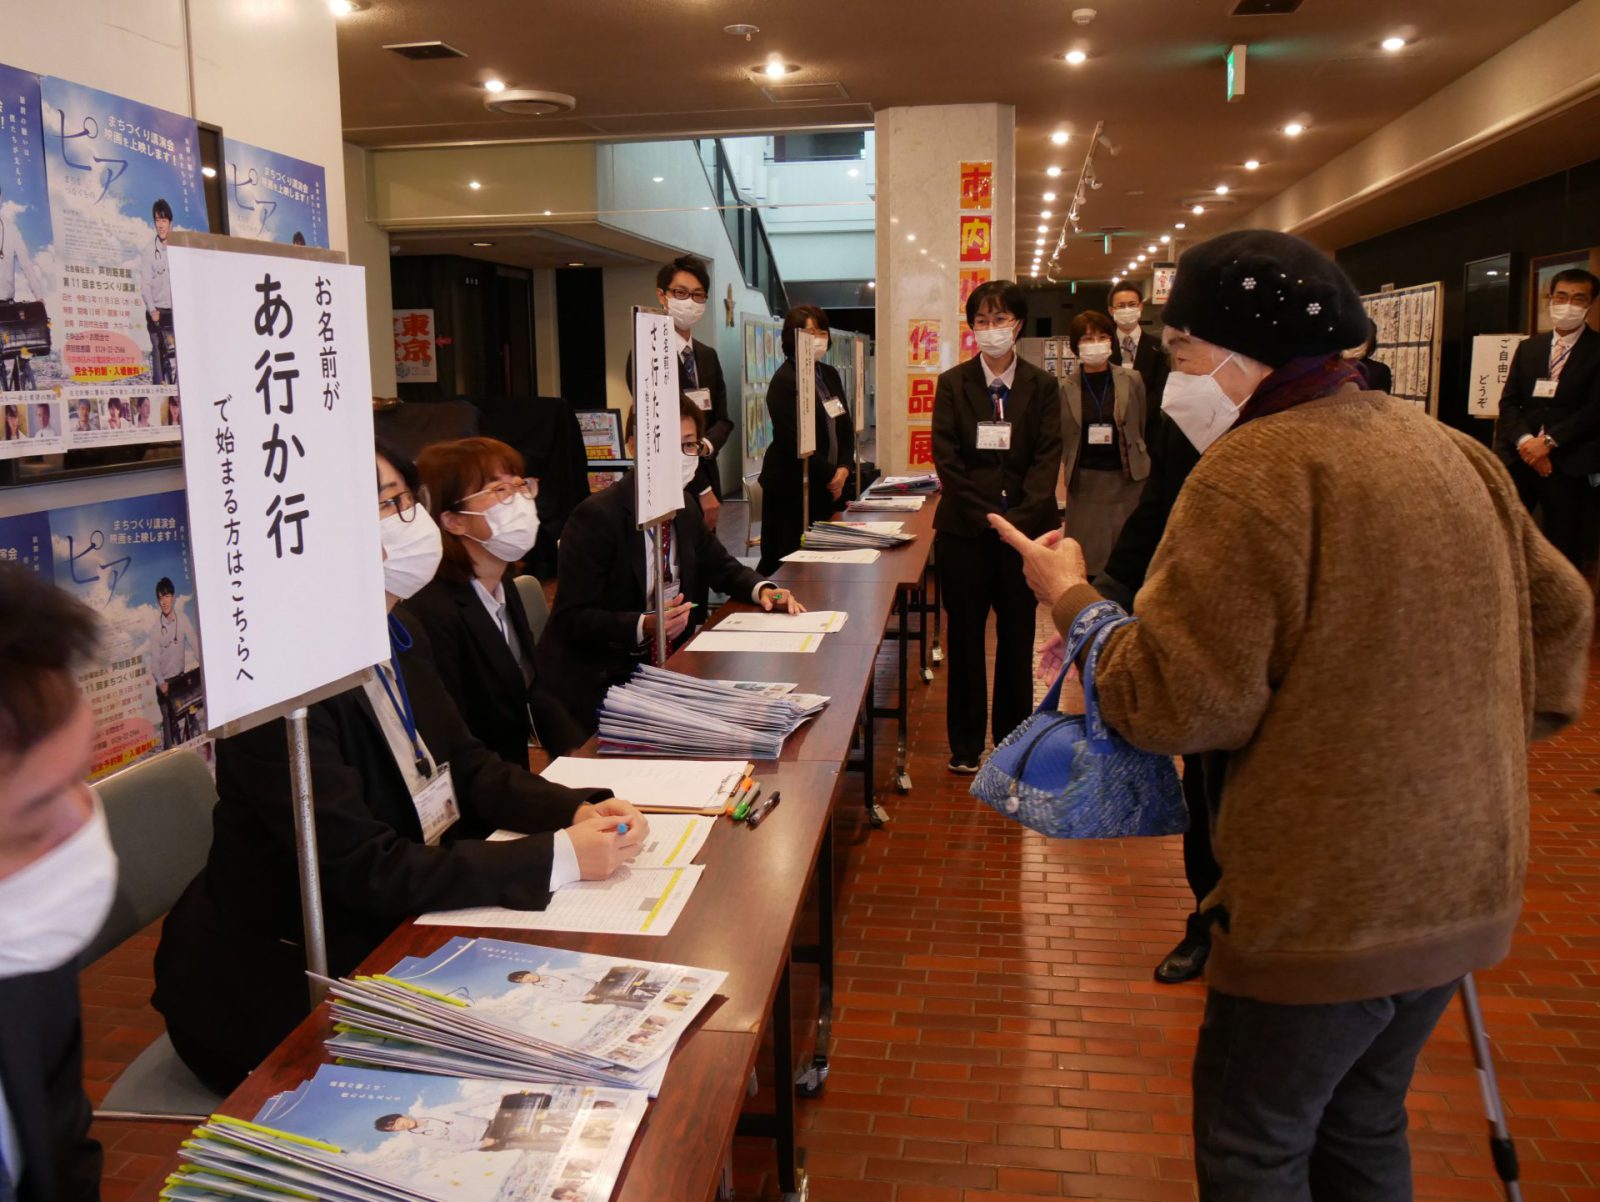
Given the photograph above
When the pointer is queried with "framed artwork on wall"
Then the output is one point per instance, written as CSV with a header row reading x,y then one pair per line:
x,y
1541,270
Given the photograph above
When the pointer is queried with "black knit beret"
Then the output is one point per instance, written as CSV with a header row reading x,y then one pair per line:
x,y
1270,296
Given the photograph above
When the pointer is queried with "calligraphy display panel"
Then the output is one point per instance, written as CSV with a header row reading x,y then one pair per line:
x,y
655,398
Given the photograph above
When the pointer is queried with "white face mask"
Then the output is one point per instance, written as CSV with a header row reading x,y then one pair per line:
x,y
688,465
821,341
513,528
685,312
1126,319
412,552
1094,352
996,342
50,910
1567,318
1197,403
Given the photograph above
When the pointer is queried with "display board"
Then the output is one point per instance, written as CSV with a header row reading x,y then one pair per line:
x,y
274,197
603,447
1408,340
849,353
655,398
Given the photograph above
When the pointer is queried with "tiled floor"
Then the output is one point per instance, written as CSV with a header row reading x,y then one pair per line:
x,y
999,1035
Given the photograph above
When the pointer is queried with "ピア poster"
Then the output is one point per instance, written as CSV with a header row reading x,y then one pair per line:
x,y
122,176
128,561
416,359
27,264
274,197
119,415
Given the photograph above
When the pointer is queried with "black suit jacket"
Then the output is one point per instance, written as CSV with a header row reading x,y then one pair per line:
x,y
483,678
780,467
1172,458
972,480
1150,360
1571,417
230,967
591,640
41,1069
708,368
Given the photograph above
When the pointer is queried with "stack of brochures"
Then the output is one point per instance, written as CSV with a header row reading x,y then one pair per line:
x,y
923,484
359,1134
850,536
886,504
518,1011
663,713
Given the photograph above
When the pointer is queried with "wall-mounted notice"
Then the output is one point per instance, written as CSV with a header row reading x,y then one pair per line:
x,y
118,415
1491,364
122,176
1162,279
923,343
30,424
274,197
977,185
416,358
655,393
976,238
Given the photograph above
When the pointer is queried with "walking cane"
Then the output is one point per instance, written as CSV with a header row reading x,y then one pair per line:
x,y
1501,1148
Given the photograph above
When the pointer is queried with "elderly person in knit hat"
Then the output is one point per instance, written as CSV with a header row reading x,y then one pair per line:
x,y
1351,603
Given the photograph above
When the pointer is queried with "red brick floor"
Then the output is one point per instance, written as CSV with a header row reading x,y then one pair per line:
x,y
999,1036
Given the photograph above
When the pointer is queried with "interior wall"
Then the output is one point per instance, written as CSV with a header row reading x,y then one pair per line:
x,y
369,247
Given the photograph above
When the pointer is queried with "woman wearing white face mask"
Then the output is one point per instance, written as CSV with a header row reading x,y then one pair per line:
x,y
1104,462
57,880
472,612
405,798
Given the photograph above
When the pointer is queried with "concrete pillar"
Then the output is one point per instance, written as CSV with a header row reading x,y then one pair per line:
x,y
922,277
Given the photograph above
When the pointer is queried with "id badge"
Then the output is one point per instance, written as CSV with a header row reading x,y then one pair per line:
x,y
1100,434
701,398
994,436
833,407
1545,388
436,805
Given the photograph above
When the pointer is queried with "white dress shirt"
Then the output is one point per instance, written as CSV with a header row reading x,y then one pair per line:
x,y
495,603
14,258
1560,351
1007,377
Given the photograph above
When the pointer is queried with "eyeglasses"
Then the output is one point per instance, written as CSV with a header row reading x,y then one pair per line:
x,y
992,321
504,492
680,293
1563,297
402,505
690,448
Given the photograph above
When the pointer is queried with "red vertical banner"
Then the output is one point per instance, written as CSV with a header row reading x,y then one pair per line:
x,y
923,342
921,453
977,185
976,234
919,397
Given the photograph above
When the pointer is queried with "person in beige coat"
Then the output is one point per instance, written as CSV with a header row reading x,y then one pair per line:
x,y
1104,461
1351,603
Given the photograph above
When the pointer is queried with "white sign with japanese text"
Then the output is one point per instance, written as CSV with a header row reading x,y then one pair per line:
x,y
277,457
805,379
1161,283
1491,364
655,399
416,347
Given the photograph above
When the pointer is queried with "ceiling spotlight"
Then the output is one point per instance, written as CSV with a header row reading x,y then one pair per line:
x,y
1049,196
209,172
1075,58
1180,225
1060,137
922,250
574,264
343,8
853,172
872,283
1052,172
474,184
1044,229
1152,248
483,244
1045,213
1394,44
1222,189
547,212
1038,241
1166,239
1252,164
1140,259
1294,129
1198,209
774,68
494,85
911,237
658,179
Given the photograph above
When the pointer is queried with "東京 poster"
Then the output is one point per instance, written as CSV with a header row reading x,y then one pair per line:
x,y
27,265
127,560
122,176
273,197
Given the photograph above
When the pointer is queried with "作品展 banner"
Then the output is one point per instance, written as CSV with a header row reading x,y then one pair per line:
x,y
274,197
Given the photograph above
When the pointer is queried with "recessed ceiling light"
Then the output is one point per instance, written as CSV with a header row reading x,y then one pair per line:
x,y
1166,239
853,172
1252,164
1198,209
1044,229
1045,213
483,244
741,30
1076,58
922,250
1492,272
1222,189
1140,259
872,283
209,172
658,179
1038,241
705,208
1152,248
343,8
1052,172
1394,44
911,237
474,184
494,85
547,212
774,68
1180,225
1133,266
1294,129
1060,137
575,264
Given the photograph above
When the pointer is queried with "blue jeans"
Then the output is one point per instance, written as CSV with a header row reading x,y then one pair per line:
x,y
1298,1103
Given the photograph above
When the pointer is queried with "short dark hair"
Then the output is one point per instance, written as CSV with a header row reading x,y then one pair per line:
x,y
795,319
45,637
1090,321
516,977
402,463
387,1122
1576,275
1000,294
686,408
689,263
116,403
1124,286
1372,342
299,239
161,209
164,588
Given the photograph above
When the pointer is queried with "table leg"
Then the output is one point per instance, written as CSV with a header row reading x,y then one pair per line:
x,y
936,598
810,1082
790,1178
902,774
876,815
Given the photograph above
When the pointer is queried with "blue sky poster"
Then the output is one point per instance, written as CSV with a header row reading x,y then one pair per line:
x,y
273,197
26,258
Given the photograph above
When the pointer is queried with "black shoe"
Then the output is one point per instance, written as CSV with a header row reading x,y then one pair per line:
x,y
964,765
1186,961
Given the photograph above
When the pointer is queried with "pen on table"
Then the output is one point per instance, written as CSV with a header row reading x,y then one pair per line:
x,y
772,803
742,810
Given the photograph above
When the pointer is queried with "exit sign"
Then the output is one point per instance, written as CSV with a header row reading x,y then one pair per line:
x,y
1236,58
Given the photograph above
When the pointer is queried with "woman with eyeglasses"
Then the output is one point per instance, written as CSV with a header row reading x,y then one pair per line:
x,y
472,612
405,798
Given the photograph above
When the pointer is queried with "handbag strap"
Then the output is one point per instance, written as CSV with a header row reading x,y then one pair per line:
x,y
1090,620
1099,734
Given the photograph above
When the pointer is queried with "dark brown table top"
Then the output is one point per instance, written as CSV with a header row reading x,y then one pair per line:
x,y
903,565
864,600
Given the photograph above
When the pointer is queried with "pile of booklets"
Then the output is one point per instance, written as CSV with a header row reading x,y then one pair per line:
x,y
922,484
360,1135
872,503
663,713
518,1011
852,536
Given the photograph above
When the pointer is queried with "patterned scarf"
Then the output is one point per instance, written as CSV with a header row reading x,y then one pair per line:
x,y
1296,382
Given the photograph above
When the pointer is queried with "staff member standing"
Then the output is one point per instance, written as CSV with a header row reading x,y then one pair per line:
x,y
1548,433
483,645
782,523
997,449
1135,349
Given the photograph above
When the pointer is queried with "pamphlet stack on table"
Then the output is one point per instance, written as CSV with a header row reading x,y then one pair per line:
x,y
924,483
886,504
360,1134
663,713
847,536
518,1011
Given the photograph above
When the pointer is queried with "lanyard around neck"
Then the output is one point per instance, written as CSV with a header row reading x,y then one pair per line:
x,y
400,640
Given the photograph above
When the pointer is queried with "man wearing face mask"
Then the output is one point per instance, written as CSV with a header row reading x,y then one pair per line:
x,y
682,288
997,448
1548,432
57,880
604,621
1374,656
1133,348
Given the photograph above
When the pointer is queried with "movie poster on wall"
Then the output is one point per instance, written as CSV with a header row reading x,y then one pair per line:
x,y
128,561
27,263
274,197
121,175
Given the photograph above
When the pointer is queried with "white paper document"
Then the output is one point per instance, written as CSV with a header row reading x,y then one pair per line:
x,y
674,840
756,642
633,901
867,555
821,621
652,784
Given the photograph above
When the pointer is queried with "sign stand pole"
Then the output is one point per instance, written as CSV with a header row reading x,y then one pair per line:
x,y
805,497
661,590
305,839
805,404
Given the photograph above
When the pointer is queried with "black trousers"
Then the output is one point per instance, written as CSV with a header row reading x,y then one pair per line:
x,y
781,520
1308,1102
978,576
1568,510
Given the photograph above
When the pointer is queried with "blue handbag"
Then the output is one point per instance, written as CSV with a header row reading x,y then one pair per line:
x,y
1069,776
